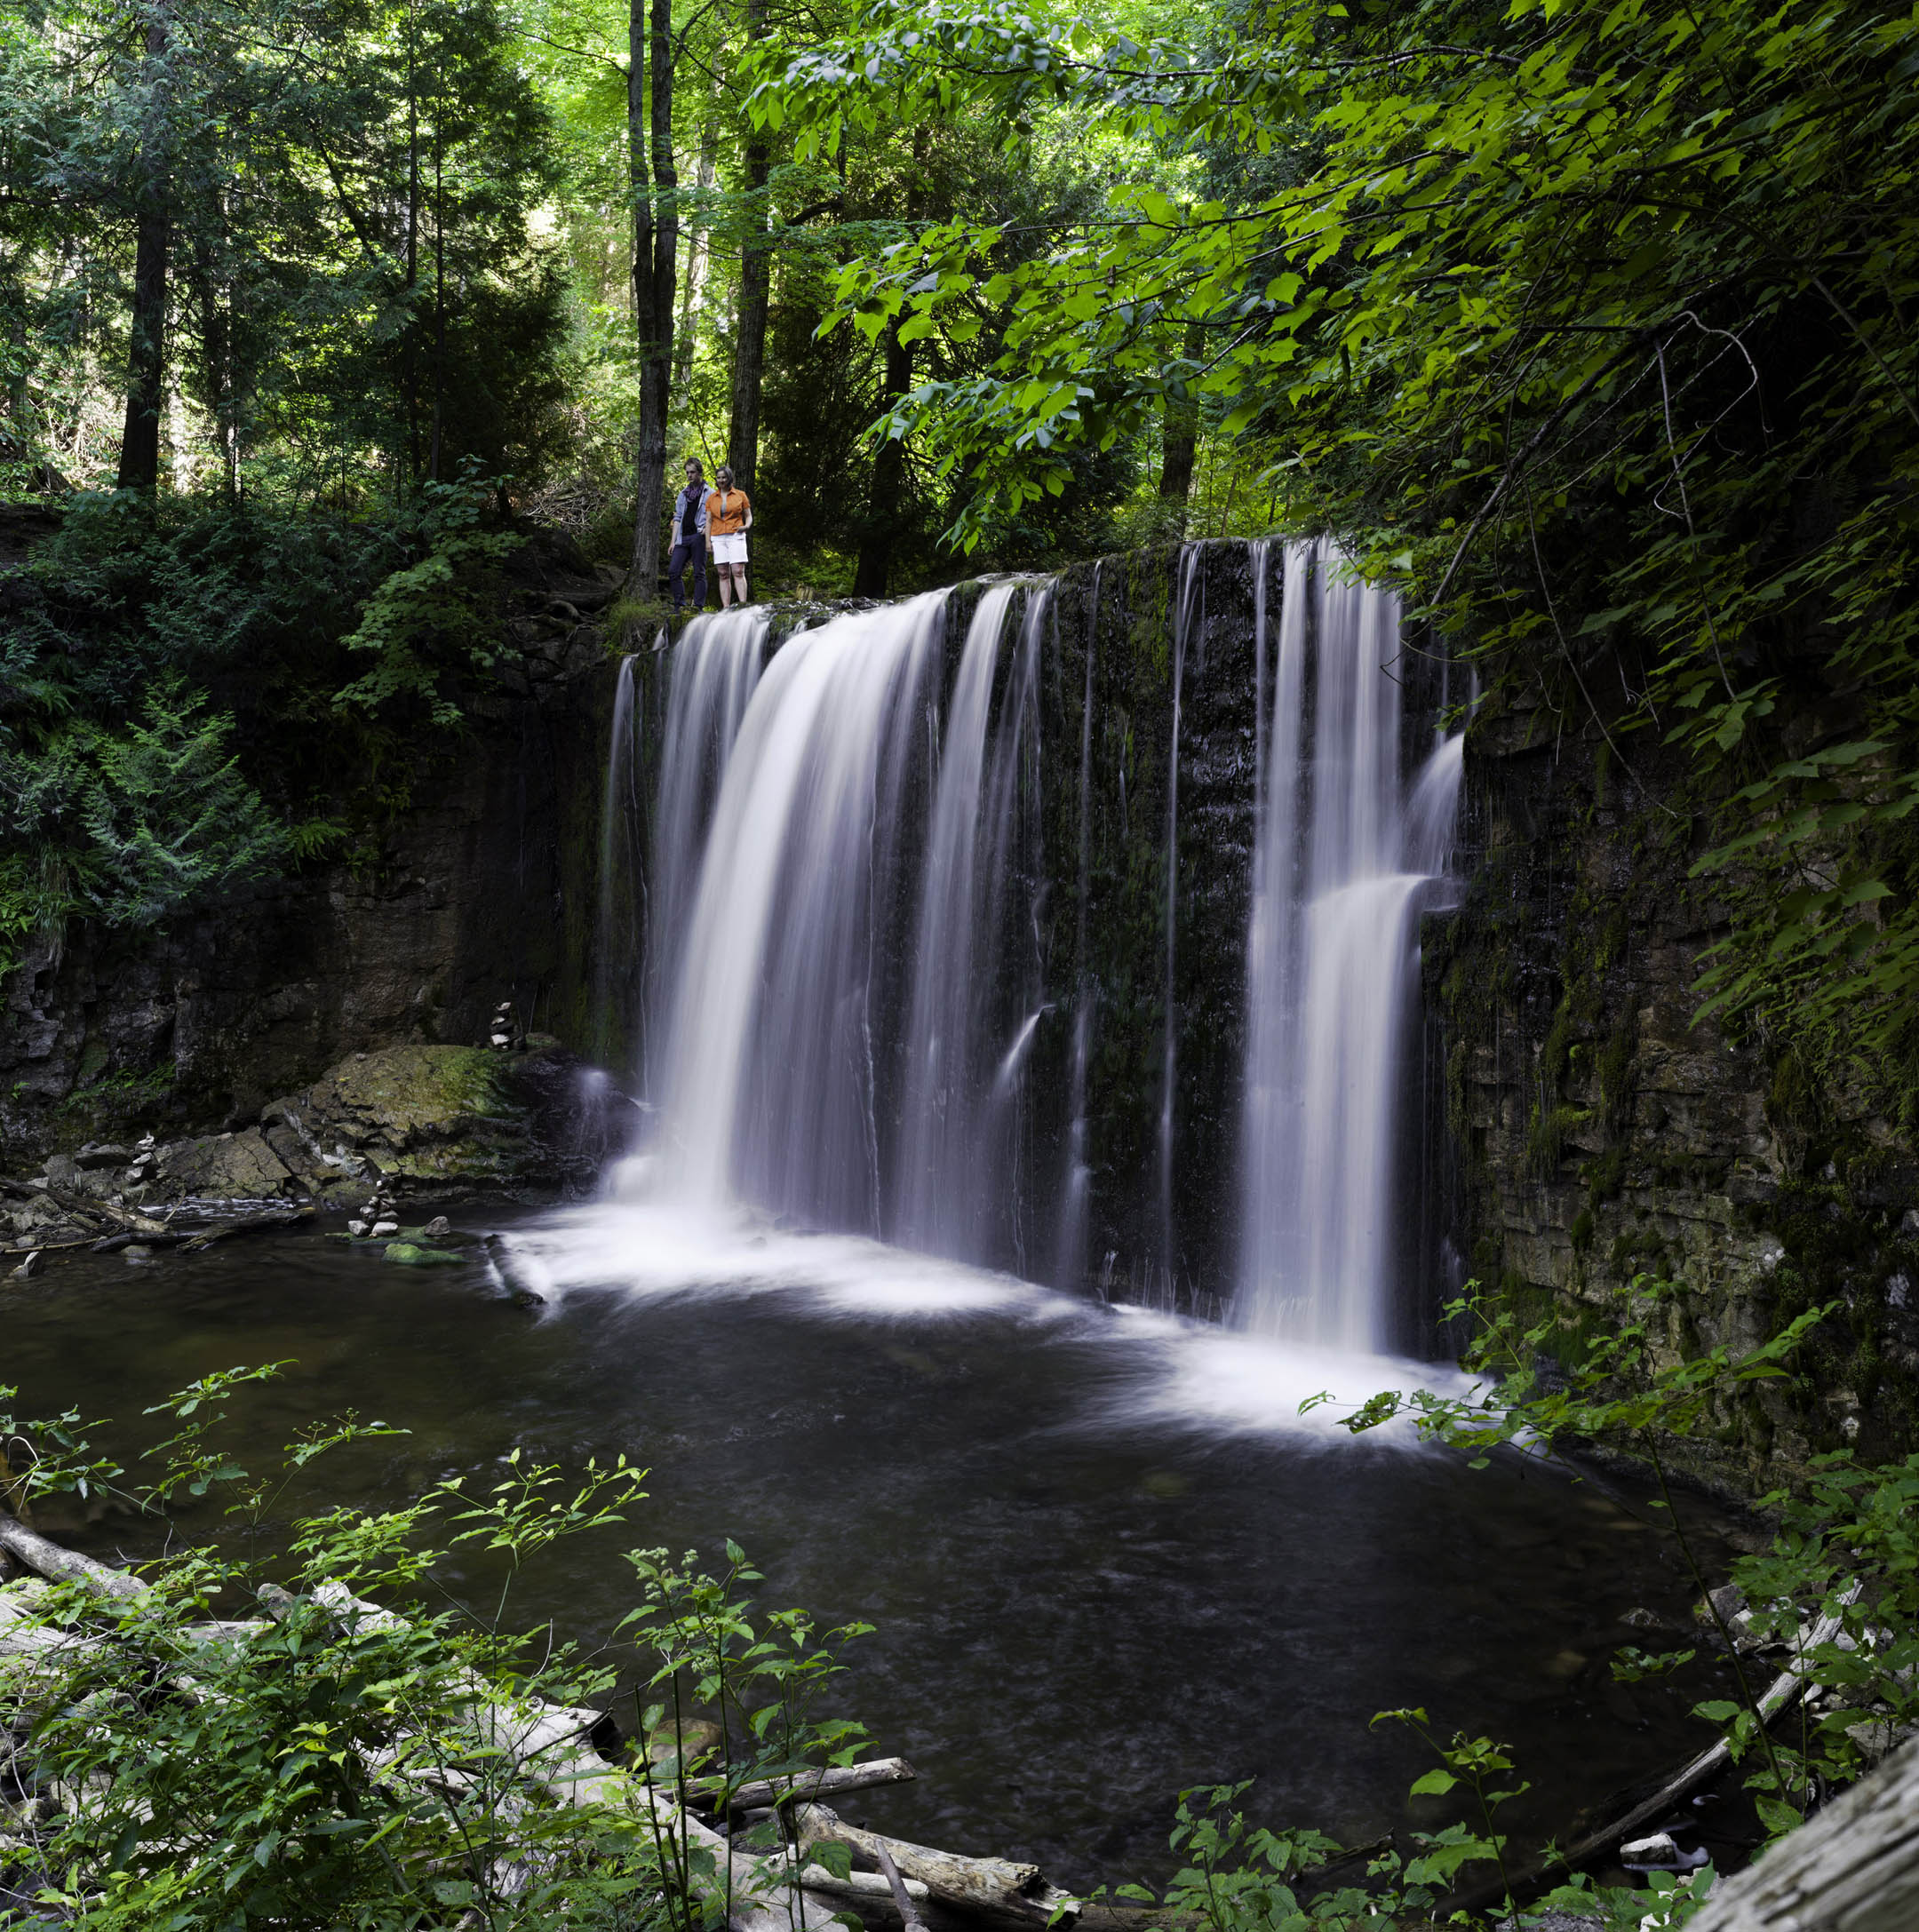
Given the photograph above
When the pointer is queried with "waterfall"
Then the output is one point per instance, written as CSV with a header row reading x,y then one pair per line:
x,y
769,1088
1070,1244
617,926
1345,850
871,1010
714,669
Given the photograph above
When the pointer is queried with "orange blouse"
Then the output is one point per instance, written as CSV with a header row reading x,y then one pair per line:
x,y
725,512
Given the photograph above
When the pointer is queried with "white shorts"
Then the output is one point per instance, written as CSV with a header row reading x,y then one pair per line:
x,y
728,549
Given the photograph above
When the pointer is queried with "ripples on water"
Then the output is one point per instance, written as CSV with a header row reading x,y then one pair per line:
x,y
1106,1555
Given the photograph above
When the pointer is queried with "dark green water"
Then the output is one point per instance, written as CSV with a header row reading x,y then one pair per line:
x,y
1105,1558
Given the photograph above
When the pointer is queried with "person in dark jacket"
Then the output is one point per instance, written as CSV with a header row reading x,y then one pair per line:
x,y
689,537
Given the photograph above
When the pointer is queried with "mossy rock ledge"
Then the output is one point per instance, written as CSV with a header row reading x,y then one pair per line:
x,y
432,1120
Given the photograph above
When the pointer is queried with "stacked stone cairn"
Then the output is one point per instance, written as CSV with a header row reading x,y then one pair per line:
x,y
380,1218
504,1035
145,1158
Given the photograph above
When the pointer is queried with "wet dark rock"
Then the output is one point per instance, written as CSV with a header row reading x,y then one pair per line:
x,y
436,1119
222,1167
1599,1131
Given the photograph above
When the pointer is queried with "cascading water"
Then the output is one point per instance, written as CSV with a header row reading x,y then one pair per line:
x,y
957,1180
617,928
715,668
951,956
769,1088
1345,852
873,1009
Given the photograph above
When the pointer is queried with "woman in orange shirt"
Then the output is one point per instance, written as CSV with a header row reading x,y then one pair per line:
x,y
728,518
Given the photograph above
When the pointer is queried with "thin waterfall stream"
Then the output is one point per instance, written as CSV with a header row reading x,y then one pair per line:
x,y
1347,850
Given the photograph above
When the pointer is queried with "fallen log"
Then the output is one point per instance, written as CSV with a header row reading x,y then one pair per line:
x,y
1853,1868
250,1224
1785,1692
127,1238
825,1783
48,1559
1000,1889
88,1209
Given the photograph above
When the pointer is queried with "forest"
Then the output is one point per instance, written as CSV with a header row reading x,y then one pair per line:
x,y
1590,323
1320,786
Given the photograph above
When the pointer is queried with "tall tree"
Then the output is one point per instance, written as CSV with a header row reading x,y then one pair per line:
x,y
886,510
755,284
1180,429
655,184
699,255
140,441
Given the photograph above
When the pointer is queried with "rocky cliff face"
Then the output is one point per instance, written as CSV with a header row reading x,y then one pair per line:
x,y
476,892
1601,1136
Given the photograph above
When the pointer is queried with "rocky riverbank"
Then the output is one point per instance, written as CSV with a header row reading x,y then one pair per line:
x,y
423,1123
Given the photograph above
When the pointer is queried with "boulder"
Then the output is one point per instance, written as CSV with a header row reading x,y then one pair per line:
x,y
221,1167
443,1119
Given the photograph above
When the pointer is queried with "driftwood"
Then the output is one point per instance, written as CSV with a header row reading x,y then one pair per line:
x,y
909,1919
248,1224
826,1782
1011,1893
88,1209
1853,1868
58,1565
1785,1692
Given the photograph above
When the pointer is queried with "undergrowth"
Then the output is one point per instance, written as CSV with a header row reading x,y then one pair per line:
x,y
197,693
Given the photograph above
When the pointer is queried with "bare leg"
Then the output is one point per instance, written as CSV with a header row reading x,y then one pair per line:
x,y
739,581
726,585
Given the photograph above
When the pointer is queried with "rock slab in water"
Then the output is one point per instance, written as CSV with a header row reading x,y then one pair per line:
x,y
410,1254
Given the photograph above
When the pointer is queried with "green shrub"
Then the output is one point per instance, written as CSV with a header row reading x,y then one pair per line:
x,y
324,1764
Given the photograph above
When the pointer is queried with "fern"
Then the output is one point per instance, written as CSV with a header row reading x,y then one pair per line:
x,y
128,827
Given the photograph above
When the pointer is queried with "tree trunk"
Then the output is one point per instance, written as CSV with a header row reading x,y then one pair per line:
x,y
699,259
411,350
655,270
756,273
1182,432
884,519
139,441
439,396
